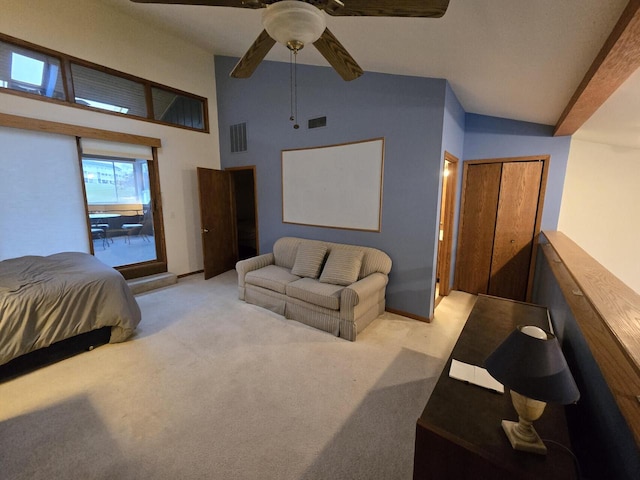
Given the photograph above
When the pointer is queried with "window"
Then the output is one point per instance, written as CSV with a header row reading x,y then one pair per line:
x,y
98,89
124,206
120,210
28,69
116,181
179,109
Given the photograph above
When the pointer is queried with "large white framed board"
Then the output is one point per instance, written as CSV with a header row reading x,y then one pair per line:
x,y
336,186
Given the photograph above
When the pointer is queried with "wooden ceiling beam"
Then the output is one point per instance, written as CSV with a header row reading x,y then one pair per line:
x,y
617,60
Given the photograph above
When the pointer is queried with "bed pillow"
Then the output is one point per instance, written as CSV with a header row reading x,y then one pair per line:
x,y
342,267
309,258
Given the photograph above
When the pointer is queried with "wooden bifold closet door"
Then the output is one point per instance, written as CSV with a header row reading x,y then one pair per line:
x,y
499,222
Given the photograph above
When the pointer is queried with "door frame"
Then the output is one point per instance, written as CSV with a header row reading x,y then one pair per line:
x,y
546,161
255,197
443,264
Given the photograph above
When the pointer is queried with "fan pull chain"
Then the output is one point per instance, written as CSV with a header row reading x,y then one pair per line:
x,y
295,87
293,80
292,117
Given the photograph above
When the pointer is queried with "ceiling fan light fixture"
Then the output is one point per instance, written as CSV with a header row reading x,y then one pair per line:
x,y
293,23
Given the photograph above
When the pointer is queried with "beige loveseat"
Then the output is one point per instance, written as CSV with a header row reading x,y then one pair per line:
x,y
331,286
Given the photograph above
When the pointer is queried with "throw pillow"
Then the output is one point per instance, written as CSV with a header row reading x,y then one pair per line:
x,y
309,258
342,267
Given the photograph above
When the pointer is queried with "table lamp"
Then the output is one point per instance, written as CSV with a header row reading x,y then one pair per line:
x,y
530,362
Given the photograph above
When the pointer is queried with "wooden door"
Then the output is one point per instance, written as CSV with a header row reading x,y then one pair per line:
x,y
514,229
481,189
500,216
217,221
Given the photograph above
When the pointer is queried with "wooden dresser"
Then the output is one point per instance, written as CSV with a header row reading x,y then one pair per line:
x,y
459,434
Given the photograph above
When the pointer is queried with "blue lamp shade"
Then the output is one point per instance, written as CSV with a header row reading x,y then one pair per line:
x,y
533,366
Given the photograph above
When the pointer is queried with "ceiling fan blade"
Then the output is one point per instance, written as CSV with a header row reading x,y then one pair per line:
x,y
391,8
211,3
337,56
250,61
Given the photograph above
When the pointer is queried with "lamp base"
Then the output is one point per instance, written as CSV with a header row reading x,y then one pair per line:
x,y
534,446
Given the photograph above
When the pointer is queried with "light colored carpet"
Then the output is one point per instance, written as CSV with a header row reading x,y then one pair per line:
x,y
214,388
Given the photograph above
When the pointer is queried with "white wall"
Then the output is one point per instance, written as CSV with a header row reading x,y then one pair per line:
x,y
600,208
99,33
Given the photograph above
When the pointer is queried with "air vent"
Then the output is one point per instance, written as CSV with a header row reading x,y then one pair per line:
x,y
239,138
318,122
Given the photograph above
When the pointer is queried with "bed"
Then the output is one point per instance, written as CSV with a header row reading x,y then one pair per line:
x,y
44,300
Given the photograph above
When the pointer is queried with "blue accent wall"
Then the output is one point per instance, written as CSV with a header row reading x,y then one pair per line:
x,y
600,436
492,137
407,111
419,119
453,131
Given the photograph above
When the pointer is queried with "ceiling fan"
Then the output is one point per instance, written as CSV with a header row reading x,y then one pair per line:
x,y
295,23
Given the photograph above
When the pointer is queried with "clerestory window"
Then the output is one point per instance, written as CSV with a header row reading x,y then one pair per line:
x,y
31,70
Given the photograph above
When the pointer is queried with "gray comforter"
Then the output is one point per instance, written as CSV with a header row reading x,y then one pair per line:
x,y
47,299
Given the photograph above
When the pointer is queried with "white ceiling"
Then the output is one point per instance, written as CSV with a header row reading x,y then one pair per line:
x,y
517,59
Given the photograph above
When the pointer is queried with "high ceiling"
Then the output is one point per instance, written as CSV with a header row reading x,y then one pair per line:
x,y
517,59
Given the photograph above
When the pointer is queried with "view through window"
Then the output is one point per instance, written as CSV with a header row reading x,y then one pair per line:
x,y
120,210
30,72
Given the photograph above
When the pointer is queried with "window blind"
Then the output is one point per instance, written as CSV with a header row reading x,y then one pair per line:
x,y
41,199
104,148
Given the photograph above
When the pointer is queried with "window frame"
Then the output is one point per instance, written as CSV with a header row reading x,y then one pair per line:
x,y
67,81
151,267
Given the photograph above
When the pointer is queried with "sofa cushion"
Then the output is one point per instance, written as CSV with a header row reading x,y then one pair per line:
x,y
342,267
271,277
309,260
374,260
285,249
325,295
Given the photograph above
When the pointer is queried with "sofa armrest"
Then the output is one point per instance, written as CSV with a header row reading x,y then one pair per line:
x,y
369,285
254,263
